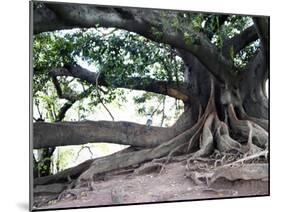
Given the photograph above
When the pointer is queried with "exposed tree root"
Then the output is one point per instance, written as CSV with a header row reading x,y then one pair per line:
x,y
63,176
241,129
73,172
249,158
206,171
251,148
223,140
206,141
149,168
261,122
176,158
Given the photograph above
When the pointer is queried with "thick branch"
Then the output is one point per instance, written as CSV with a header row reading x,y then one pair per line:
x,y
75,133
74,172
262,27
148,23
235,44
136,83
62,176
46,20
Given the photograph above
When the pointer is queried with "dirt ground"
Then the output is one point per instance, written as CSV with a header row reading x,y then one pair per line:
x,y
170,185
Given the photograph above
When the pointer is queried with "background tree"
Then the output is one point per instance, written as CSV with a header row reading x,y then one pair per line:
x,y
216,65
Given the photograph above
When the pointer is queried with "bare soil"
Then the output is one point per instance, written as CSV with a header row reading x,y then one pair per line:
x,y
170,185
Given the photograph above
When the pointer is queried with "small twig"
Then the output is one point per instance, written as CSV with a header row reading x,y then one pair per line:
x,y
97,87
163,111
38,109
156,109
83,147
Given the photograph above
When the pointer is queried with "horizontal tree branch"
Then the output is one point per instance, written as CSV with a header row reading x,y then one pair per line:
x,y
46,20
173,89
76,133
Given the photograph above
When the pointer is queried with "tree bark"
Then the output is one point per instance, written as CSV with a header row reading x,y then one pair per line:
x,y
75,133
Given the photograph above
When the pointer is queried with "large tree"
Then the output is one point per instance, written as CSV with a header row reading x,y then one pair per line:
x,y
217,65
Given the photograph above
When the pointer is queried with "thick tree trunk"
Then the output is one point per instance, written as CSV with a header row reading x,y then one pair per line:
x,y
252,87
